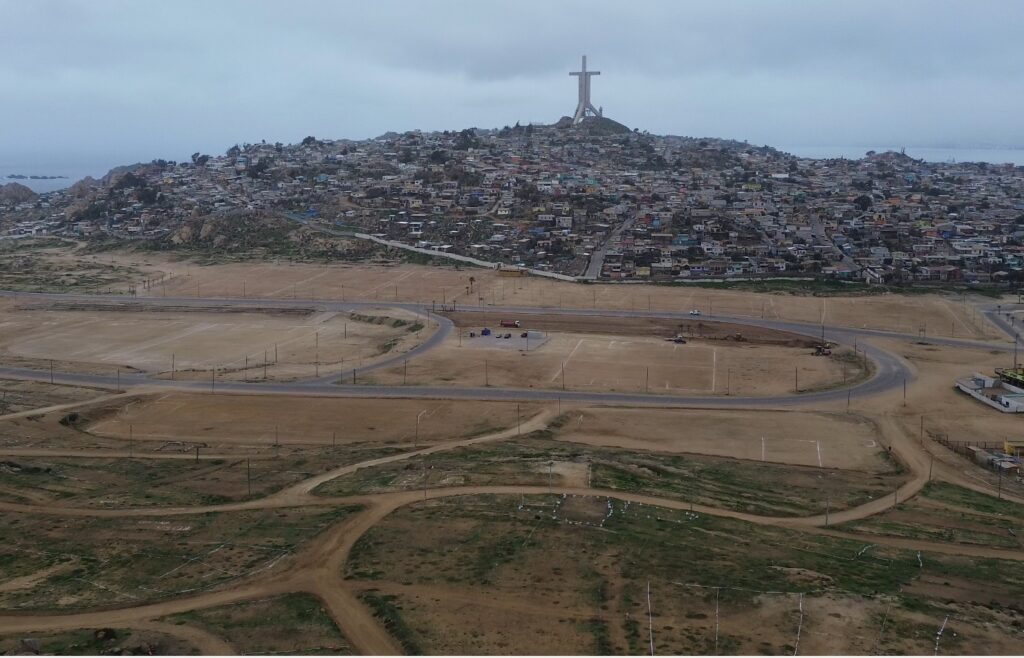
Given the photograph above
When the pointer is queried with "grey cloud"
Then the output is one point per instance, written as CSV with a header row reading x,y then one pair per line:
x,y
146,79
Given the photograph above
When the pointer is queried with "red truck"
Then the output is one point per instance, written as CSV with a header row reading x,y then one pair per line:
x,y
509,323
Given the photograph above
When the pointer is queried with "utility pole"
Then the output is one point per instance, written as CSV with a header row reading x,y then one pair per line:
x,y
51,374
563,375
828,503
931,463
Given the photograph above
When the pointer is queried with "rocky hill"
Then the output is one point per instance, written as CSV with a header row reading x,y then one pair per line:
x,y
249,232
16,193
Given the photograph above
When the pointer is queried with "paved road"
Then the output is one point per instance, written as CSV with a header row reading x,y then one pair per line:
x,y
891,371
597,257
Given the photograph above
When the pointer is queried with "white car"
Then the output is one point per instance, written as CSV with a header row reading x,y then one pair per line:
x,y
694,312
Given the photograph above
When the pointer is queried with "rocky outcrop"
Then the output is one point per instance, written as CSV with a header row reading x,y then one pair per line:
x,y
16,193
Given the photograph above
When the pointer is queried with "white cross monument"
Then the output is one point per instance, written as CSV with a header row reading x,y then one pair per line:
x,y
584,104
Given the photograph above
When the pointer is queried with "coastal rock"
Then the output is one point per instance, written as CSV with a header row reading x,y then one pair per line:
x,y
16,192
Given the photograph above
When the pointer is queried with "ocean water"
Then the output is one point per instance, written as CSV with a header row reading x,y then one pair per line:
x,y
73,170
992,156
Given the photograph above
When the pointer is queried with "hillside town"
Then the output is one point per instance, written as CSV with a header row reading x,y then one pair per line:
x,y
595,201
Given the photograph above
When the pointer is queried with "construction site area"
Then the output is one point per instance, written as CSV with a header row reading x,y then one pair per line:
x,y
375,459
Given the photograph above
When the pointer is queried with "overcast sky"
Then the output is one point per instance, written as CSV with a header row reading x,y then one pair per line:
x,y
132,80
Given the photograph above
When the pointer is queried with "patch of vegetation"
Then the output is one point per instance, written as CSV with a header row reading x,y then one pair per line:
x,y
292,623
390,615
602,638
637,544
948,513
102,641
132,560
756,487
102,483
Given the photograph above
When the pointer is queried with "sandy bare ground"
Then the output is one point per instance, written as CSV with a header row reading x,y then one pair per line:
x,y
939,314
633,364
262,420
271,344
828,440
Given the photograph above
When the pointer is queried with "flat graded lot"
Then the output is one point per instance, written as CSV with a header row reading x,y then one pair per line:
x,y
261,343
631,364
261,420
554,575
821,439
934,314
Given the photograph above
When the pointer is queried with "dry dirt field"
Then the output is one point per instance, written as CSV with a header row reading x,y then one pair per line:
x,y
939,314
828,440
259,420
99,337
631,364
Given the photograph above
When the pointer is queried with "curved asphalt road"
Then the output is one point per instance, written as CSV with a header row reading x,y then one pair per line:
x,y
891,371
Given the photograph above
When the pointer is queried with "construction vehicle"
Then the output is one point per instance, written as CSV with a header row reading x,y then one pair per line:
x,y
509,323
821,350
678,338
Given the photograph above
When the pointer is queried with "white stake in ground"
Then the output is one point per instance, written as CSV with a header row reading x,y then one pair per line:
x,y
799,626
650,618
